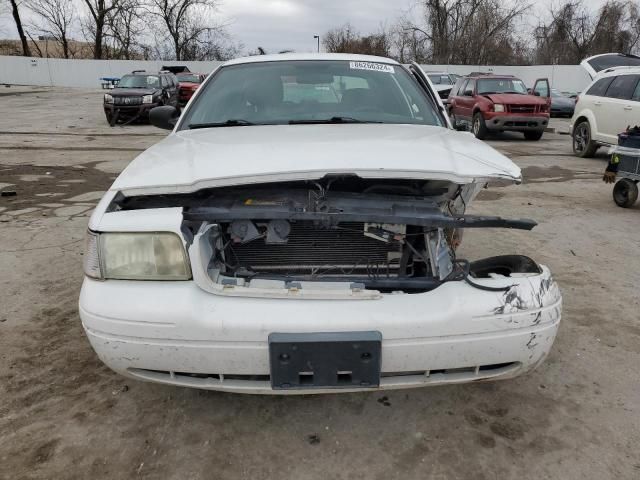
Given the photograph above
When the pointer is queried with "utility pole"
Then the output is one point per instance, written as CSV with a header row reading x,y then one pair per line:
x,y
317,37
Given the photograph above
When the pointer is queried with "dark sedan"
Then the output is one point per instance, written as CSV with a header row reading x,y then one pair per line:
x,y
561,105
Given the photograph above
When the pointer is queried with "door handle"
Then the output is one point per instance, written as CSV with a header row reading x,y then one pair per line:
x,y
597,104
628,107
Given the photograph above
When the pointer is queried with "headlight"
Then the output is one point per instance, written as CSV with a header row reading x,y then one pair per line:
x,y
108,98
147,99
498,107
136,256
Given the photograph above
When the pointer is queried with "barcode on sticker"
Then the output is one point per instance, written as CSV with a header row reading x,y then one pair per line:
x,y
376,67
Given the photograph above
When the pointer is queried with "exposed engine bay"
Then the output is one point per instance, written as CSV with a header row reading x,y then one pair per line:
x,y
383,235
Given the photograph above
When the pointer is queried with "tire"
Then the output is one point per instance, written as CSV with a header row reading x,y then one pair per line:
x,y
533,135
625,193
479,128
112,118
583,145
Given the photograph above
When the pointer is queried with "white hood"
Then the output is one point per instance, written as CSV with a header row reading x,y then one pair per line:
x,y
187,161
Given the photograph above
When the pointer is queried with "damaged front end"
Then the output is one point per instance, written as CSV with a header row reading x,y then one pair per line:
x,y
338,237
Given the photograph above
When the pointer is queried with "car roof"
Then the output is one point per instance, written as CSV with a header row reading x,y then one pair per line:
x,y
488,75
608,72
146,74
282,57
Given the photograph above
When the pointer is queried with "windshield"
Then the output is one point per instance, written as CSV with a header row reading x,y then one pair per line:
x,y
601,62
188,77
501,85
139,81
315,91
438,79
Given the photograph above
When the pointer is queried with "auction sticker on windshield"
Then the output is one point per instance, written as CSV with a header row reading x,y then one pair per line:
x,y
377,67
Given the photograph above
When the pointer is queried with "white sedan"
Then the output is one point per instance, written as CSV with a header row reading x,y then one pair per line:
x,y
297,233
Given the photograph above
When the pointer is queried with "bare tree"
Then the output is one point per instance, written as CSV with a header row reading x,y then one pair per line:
x,y
16,18
95,25
407,44
188,24
470,31
55,20
124,27
346,39
574,32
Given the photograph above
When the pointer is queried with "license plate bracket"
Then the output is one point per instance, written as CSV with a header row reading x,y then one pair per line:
x,y
325,360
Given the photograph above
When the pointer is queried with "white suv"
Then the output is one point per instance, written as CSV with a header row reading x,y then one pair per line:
x,y
610,103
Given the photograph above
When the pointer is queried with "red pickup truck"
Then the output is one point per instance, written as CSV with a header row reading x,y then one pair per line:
x,y
498,103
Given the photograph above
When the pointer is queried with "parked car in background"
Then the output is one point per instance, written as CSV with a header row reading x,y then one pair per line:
x,y
137,93
561,105
276,244
609,105
188,83
498,103
443,82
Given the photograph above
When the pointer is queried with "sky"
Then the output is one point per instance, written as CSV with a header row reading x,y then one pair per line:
x,y
279,25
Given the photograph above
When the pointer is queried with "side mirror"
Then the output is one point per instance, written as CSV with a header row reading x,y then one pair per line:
x,y
537,94
164,117
468,93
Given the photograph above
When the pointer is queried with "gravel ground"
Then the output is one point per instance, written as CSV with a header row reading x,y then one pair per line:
x,y
64,415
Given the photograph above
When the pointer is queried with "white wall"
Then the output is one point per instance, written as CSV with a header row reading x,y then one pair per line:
x,y
78,73
86,73
566,78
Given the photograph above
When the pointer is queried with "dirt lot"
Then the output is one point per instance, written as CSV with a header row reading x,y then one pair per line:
x,y
64,415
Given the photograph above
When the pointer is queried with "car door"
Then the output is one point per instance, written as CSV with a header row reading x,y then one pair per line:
x,y
618,110
466,101
173,89
426,85
542,89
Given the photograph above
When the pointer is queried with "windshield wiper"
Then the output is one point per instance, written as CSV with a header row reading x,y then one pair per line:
x,y
330,120
234,122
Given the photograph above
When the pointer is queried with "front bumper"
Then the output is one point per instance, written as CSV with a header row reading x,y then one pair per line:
x,y
129,111
519,123
184,97
562,111
176,333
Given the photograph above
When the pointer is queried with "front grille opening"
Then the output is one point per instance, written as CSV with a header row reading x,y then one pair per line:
x,y
495,366
312,250
305,378
387,258
345,377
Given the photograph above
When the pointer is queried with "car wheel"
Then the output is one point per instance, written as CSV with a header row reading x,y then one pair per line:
x,y
583,146
625,193
479,127
533,135
112,118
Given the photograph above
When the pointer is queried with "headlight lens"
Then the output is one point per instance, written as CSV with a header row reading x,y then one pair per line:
x,y
108,98
147,99
498,107
136,256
